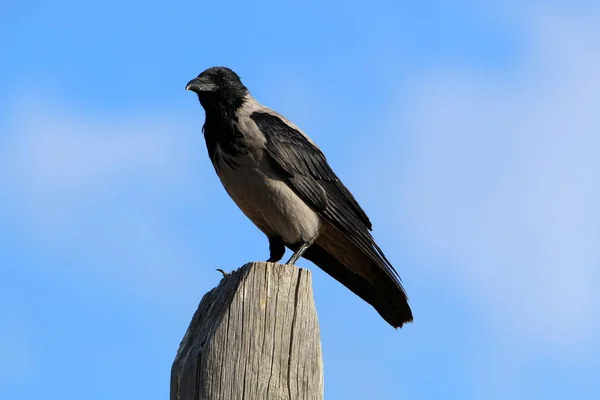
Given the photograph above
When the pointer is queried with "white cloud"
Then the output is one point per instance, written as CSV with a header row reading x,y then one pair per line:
x,y
503,181
99,194
60,154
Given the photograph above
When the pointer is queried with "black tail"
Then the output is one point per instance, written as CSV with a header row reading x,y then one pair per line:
x,y
381,291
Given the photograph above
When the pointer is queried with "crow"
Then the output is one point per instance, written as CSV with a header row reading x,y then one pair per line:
x,y
283,183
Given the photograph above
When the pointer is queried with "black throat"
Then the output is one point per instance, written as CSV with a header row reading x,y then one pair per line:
x,y
220,127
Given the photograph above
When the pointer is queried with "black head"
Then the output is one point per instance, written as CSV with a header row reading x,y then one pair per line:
x,y
218,88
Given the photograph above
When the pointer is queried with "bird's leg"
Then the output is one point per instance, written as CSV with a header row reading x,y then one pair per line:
x,y
298,253
276,248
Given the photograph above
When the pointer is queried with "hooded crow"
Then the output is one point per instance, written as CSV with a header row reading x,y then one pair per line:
x,y
283,183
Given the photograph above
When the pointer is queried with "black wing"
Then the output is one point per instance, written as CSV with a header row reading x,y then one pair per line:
x,y
311,177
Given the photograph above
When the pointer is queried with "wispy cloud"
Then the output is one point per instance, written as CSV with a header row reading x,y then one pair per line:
x,y
102,193
502,182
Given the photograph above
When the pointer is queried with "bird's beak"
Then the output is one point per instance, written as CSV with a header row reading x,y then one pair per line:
x,y
199,85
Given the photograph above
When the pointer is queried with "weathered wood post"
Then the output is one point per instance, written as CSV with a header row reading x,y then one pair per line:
x,y
254,336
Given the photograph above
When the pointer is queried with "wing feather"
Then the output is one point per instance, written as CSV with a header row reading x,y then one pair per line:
x,y
310,176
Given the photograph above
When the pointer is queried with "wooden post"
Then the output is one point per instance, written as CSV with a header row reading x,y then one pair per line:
x,y
254,336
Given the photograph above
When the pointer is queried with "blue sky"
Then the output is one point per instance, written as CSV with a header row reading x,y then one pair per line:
x,y
468,132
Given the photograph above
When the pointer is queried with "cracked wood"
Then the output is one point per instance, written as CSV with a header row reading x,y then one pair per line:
x,y
254,336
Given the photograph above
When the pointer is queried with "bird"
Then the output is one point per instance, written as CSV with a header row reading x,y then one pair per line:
x,y
283,183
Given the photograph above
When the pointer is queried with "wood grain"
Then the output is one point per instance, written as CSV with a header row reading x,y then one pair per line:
x,y
254,336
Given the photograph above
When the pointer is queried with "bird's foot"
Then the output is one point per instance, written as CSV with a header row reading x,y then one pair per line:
x,y
225,274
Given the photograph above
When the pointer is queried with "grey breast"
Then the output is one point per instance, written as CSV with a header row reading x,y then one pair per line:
x,y
261,193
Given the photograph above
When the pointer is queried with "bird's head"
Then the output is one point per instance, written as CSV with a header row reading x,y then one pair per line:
x,y
217,88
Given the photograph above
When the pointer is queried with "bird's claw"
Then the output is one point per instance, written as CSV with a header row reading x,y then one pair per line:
x,y
225,274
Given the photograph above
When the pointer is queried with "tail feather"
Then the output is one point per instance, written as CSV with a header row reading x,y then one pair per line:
x,y
367,280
